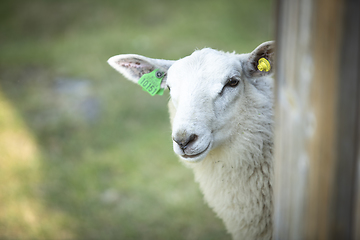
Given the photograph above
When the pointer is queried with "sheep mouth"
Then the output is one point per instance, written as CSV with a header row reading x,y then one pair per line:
x,y
196,157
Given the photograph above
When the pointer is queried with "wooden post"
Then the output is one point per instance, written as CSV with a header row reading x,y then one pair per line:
x,y
317,130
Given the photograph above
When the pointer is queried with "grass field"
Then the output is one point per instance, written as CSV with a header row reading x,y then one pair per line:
x,y
85,154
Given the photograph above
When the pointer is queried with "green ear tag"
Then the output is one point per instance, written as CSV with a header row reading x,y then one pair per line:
x,y
151,82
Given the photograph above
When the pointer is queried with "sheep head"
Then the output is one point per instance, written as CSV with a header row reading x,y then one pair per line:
x,y
208,90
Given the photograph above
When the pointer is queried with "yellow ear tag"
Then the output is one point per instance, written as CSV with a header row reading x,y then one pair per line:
x,y
264,65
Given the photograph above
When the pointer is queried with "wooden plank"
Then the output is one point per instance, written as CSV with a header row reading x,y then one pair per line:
x,y
317,97
291,164
322,148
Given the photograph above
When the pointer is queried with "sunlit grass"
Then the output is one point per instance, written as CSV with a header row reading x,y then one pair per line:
x,y
23,215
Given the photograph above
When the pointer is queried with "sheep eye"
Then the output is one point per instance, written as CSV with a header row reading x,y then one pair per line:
x,y
168,88
233,82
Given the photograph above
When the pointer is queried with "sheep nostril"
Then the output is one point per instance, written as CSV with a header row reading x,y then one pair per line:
x,y
192,138
184,143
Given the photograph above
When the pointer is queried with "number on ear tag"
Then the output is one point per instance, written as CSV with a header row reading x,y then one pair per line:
x,y
151,82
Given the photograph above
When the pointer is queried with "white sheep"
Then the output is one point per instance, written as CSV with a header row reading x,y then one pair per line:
x,y
222,117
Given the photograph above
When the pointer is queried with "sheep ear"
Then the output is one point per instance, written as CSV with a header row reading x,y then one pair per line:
x,y
133,66
265,51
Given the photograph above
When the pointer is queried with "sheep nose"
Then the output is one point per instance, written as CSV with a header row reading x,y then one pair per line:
x,y
184,141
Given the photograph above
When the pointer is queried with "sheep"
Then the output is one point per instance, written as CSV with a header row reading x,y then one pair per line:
x,y
221,111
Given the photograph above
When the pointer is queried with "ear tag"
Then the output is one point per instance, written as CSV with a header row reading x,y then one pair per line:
x,y
264,65
151,82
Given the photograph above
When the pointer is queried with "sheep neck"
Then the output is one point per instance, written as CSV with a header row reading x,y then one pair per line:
x,y
239,189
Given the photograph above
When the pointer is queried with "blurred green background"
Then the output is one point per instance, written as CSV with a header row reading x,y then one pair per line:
x,y
85,154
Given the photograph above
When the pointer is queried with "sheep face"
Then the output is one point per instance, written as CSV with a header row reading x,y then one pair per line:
x,y
204,89
207,88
